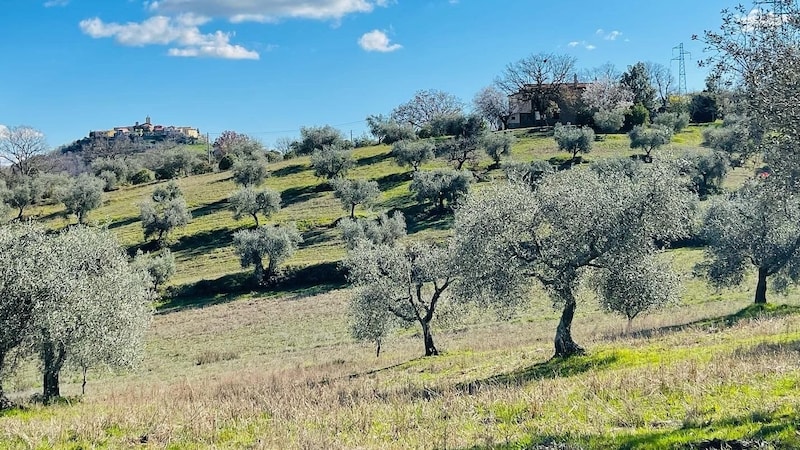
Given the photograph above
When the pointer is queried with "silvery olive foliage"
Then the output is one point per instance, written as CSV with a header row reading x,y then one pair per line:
x,y
575,226
22,255
441,187
166,211
250,171
250,202
397,286
160,267
497,145
355,192
332,161
573,139
84,194
71,297
275,243
759,225
413,152
650,138
382,230
527,173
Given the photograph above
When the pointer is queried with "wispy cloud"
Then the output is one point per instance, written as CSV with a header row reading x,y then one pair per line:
x,y
610,35
52,3
266,10
584,44
377,41
181,32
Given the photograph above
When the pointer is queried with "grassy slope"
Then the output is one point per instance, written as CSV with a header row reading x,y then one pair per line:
x,y
283,372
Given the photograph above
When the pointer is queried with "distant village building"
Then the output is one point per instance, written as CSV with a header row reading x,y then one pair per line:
x,y
564,102
148,130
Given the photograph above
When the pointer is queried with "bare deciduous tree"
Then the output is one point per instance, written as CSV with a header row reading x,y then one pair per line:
x,y
20,146
425,106
537,78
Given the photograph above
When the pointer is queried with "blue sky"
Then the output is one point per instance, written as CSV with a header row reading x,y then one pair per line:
x,y
268,67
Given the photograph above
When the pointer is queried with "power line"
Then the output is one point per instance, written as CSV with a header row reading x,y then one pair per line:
x,y
250,133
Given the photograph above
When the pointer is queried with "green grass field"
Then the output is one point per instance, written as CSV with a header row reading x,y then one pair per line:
x,y
280,370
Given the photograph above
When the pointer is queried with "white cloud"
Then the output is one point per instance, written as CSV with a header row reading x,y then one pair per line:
x,y
267,10
377,41
182,31
583,44
609,36
52,3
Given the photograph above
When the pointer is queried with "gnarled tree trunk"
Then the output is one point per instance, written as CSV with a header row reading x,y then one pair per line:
x,y
564,345
761,287
53,356
427,336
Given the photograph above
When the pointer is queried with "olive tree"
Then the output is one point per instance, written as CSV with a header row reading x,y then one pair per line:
x,y
574,139
21,194
22,269
757,226
317,138
413,152
649,138
637,287
84,194
160,267
97,308
251,202
706,172
441,187
736,138
355,192
274,243
497,145
250,172
70,297
382,230
332,161
388,131
528,174
674,121
396,286
609,120
164,212
577,225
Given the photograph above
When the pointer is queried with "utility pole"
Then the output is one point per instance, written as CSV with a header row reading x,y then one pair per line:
x,y
681,58
208,148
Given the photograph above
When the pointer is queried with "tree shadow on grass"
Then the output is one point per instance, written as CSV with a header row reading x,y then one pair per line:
x,y
374,159
391,181
210,208
289,170
123,222
293,195
203,242
554,368
758,430
425,217
293,282
750,312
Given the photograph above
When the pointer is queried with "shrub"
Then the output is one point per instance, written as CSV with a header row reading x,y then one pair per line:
x,y
227,161
142,176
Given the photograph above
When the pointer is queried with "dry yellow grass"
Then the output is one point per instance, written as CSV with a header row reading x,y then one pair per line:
x,y
283,373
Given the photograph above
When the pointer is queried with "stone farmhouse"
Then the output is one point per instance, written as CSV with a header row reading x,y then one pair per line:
x,y
563,102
